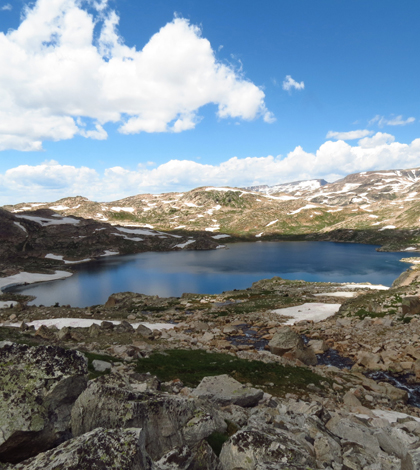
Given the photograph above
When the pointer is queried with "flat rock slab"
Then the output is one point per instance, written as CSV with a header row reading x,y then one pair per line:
x,y
225,390
309,311
95,450
38,387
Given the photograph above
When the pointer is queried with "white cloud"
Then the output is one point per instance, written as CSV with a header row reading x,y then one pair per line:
x,y
380,138
55,69
351,135
394,121
6,7
51,181
289,83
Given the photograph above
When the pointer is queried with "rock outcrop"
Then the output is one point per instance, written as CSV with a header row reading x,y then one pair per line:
x,y
38,387
96,450
224,390
167,421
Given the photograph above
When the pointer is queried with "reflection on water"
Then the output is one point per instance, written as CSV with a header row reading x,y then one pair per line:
x,y
214,271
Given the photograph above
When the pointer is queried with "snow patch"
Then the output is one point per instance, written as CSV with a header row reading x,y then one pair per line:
x,y
365,286
21,226
217,237
59,208
310,311
87,322
308,206
272,223
387,227
45,221
31,278
122,209
183,245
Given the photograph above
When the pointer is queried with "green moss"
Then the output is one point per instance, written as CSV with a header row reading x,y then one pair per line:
x,y
192,366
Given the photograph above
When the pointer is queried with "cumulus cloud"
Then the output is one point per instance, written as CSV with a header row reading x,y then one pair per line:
x,y
289,83
380,138
394,121
351,135
334,159
64,63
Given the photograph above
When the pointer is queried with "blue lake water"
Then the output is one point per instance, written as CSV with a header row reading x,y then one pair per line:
x,y
173,273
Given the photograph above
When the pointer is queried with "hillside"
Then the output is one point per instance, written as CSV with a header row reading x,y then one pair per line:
x,y
379,207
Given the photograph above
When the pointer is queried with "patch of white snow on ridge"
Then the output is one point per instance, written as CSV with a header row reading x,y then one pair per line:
x,y
183,245
336,210
132,239
60,258
410,248
30,278
309,311
190,204
87,322
308,206
57,257
110,253
179,227
387,227
218,247
272,223
45,221
212,229
365,286
122,209
59,208
141,231
259,235
217,237
21,226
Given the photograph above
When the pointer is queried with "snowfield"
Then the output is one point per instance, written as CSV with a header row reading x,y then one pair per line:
x,y
31,278
309,311
87,322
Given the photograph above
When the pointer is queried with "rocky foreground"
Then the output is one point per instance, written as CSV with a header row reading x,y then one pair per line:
x,y
225,385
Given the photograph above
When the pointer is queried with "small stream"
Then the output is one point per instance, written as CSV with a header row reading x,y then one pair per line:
x,y
332,357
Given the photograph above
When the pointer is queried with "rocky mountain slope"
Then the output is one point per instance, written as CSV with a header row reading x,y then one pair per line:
x,y
379,207
42,240
204,394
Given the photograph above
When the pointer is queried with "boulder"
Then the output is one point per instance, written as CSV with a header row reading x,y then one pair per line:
x,y
410,305
101,366
318,345
124,327
252,448
142,330
38,387
45,333
225,390
200,457
167,421
64,334
290,344
94,330
411,461
285,340
97,450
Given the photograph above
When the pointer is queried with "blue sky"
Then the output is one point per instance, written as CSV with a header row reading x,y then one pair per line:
x,y
204,99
